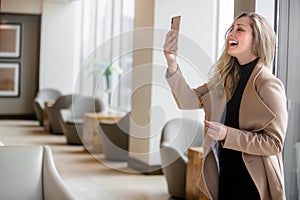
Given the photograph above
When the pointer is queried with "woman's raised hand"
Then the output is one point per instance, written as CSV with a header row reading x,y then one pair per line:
x,y
170,49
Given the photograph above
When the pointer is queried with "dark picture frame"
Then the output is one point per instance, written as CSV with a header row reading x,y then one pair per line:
x,y
10,79
10,40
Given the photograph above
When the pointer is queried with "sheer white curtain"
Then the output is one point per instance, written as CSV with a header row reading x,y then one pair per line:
x,y
107,27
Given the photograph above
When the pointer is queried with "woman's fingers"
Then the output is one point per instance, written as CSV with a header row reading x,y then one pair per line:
x,y
210,124
171,40
216,130
169,37
170,49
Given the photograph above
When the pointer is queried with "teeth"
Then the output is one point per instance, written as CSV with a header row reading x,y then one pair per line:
x,y
232,42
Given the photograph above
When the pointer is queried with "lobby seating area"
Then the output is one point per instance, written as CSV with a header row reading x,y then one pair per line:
x,y
87,176
112,131
63,114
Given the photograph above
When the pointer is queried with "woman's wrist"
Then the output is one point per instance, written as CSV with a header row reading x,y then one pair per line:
x,y
172,66
172,71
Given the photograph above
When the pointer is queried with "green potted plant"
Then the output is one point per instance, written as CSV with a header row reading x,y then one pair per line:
x,y
107,71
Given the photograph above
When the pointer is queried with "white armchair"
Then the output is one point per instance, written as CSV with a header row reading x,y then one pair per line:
x,y
114,138
29,173
40,99
71,118
62,102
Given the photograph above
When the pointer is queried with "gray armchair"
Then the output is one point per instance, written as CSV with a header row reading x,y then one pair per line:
x,y
29,173
71,118
39,101
177,136
114,138
62,102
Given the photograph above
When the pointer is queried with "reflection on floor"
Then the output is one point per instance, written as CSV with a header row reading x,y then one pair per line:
x,y
88,177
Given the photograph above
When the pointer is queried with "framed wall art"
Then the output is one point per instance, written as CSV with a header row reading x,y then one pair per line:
x,y
9,79
10,40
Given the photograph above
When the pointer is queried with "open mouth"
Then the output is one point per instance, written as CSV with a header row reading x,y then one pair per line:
x,y
233,43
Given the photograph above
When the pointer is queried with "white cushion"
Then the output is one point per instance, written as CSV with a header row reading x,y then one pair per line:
x,y
28,172
21,172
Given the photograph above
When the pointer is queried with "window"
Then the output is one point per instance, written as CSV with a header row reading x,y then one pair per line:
x,y
107,39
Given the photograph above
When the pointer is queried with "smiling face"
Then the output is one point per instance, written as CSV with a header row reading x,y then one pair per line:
x,y
240,41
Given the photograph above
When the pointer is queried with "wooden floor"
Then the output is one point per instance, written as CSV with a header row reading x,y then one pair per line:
x,y
87,176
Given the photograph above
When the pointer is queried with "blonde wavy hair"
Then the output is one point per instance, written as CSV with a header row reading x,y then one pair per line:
x,y
225,75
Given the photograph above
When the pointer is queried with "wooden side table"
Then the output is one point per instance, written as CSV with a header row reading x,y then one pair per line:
x,y
90,135
193,174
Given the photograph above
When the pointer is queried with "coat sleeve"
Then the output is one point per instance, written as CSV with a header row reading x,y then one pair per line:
x,y
185,97
268,140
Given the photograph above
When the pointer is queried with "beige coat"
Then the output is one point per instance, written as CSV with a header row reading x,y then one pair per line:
x,y
263,123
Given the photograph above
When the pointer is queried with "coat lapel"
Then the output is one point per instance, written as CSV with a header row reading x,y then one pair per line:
x,y
254,113
214,105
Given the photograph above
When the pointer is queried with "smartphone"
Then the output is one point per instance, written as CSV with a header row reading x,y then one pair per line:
x,y
175,24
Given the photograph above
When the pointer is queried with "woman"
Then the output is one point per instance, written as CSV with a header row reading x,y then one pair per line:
x,y
245,114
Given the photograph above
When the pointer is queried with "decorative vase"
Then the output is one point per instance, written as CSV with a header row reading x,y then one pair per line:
x,y
108,88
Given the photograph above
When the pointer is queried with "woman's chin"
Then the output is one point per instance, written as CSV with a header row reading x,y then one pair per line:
x,y
231,53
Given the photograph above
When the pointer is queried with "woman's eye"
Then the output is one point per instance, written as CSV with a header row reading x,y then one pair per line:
x,y
239,29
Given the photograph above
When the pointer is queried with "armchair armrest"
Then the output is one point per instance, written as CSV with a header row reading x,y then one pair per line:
x,y
40,102
65,114
54,187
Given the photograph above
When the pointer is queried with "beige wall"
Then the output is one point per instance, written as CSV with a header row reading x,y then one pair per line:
x,y
21,6
141,77
243,6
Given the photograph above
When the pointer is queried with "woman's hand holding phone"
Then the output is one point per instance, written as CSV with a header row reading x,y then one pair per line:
x,y
171,44
169,49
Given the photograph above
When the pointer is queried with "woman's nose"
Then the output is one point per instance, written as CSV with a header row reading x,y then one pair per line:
x,y
231,34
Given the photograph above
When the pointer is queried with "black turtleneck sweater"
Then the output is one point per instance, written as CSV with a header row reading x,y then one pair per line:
x,y
234,180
